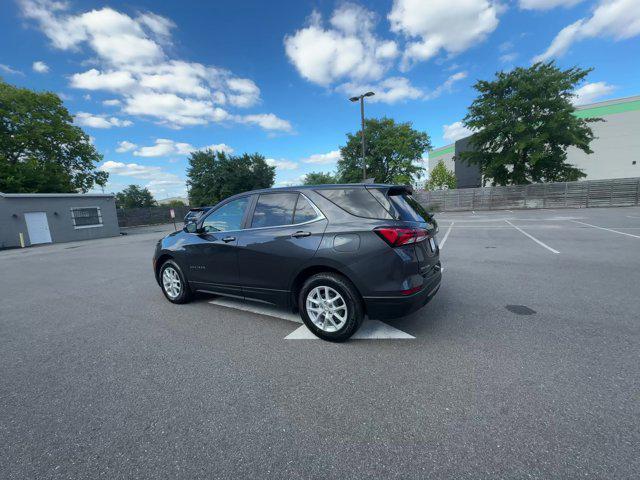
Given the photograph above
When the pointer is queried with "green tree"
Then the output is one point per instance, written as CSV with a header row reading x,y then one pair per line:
x,y
441,177
174,203
41,151
523,122
135,197
319,178
393,153
213,176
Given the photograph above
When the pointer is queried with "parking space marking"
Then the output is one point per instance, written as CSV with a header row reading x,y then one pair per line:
x,y
607,229
542,244
446,235
370,329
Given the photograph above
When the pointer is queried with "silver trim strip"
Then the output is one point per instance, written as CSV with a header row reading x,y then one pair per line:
x,y
320,216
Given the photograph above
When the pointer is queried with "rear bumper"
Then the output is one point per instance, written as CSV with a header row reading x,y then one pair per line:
x,y
382,308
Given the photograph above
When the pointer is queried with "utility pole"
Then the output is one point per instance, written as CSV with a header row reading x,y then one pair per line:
x,y
364,148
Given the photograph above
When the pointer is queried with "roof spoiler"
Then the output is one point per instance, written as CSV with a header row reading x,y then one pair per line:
x,y
400,190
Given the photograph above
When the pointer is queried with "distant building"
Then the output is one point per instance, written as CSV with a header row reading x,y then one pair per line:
x,y
616,148
55,217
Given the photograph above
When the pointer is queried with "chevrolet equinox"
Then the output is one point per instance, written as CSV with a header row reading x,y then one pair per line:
x,y
334,253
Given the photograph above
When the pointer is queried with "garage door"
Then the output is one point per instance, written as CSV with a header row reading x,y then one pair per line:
x,y
38,227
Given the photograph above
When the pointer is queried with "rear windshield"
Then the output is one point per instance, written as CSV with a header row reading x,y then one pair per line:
x,y
376,203
407,208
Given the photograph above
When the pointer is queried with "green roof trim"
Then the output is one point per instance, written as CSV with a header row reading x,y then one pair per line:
x,y
608,109
442,151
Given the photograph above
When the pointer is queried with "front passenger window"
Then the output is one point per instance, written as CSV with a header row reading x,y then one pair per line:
x,y
226,218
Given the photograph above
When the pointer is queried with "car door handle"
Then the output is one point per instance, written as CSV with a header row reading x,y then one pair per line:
x,y
300,234
228,239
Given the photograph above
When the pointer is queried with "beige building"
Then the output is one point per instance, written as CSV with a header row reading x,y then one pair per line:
x,y
616,148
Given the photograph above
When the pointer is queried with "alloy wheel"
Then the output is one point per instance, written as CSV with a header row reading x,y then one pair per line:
x,y
171,282
326,308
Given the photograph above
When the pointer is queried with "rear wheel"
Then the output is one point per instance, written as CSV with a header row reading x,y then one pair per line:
x,y
173,284
330,306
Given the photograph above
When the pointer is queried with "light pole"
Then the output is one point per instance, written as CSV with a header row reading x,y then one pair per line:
x,y
355,99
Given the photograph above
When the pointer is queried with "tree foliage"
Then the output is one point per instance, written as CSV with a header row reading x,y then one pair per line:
x,y
41,151
393,153
441,177
319,178
213,176
524,123
135,197
174,203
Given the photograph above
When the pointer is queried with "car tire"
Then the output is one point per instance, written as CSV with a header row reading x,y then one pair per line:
x,y
330,306
173,283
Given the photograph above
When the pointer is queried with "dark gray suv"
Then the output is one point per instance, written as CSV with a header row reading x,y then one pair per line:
x,y
335,253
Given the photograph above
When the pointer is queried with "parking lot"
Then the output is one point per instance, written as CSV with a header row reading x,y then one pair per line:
x,y
525,365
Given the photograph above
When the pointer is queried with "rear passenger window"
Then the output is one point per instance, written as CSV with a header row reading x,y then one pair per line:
x,y
356,201
274,209
304,211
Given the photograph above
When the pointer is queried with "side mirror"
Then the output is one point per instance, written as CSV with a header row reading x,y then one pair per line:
x,y
191,227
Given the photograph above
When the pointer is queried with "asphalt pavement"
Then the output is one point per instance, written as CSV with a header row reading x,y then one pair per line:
x,y
525,365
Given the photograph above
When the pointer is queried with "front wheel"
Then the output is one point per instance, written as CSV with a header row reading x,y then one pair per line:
x,y
330,306
173,284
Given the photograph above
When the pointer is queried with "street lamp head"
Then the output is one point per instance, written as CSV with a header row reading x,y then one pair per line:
x,y
354,99
369,94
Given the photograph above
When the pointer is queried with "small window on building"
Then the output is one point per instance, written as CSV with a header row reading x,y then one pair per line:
x,y
86,217
633,162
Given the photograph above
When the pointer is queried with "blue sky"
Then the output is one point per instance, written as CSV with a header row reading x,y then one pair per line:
x,y
151,81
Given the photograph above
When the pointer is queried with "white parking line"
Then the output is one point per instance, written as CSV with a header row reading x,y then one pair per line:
x,y
446,235
370,329
533,238
632,216
607,229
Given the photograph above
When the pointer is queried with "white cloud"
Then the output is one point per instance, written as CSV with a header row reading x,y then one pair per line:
x,y
113,102
242,92
268,121
165,147
446,86
292,182
159,181
546,4
590,92
125,146
433,26
455,131
85,119
130,60
348,49
390,90
508,57
11,71
174,110
617,19
114,81
282,164
323,158
40,67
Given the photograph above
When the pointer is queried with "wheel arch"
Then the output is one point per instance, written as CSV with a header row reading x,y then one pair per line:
x,y
312,269
159,262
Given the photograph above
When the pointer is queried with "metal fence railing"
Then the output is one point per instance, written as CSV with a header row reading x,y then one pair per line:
x,y
618,192
132,217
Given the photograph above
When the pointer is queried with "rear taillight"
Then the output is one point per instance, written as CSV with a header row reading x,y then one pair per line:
x,y
397,236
